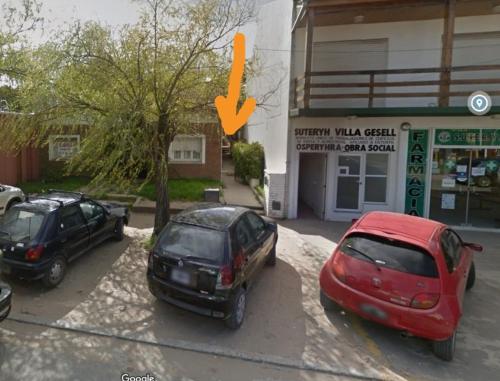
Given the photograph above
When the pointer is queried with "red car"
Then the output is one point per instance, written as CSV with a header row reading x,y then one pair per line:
x,y
405,272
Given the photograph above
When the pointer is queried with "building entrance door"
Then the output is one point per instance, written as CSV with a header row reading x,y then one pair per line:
x,y
465,188
361,184
349,182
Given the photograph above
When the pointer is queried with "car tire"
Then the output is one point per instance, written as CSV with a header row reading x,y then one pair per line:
x,y
55,274
271,257
238,307
119,230
445,349
12,203
471,279
326,302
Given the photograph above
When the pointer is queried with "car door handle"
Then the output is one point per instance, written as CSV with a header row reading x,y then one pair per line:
x,y
63,240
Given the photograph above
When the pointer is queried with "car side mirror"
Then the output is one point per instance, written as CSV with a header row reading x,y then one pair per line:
x,y
474,246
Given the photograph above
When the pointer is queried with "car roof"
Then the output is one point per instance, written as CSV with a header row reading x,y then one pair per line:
x,y
210,215
50,201
404,225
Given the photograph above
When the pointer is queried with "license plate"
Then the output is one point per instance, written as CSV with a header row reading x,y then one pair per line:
x,y
181,277
373,311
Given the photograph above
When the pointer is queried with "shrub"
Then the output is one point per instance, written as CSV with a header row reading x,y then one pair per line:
x,y
248,160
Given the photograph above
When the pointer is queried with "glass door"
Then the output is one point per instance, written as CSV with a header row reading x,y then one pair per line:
x,y
484,201
465,187
449,185
348,182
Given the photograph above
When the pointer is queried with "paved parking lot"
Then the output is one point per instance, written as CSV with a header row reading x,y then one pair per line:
x,y
103,314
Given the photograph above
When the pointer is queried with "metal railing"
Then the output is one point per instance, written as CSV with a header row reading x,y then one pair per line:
x,y
304,89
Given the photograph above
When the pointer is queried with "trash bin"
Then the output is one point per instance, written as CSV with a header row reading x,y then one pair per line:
x,y
212,194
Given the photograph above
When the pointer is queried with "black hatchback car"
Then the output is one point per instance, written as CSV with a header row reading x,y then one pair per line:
x,y
41,235
207,257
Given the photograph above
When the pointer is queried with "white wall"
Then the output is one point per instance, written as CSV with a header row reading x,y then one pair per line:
x,y
396,197
412,44
269,124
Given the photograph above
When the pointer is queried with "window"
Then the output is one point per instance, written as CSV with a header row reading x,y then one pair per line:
x,y
188,240
258,226
63,147
399,256
187,149
376,177
451,244
71,217
243,234
21,225
91,210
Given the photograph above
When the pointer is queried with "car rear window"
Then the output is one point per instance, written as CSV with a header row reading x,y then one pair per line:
x,y
182,240
19,225
396,255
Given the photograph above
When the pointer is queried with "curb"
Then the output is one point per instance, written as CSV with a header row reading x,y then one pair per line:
x,y
208,349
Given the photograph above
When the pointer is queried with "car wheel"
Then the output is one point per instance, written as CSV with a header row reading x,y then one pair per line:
x,y
238,307
472,277
445,349
12,203
326,302
271,257
55,274
119,230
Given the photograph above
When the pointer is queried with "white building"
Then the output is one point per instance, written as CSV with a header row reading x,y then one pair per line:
x,y
371,111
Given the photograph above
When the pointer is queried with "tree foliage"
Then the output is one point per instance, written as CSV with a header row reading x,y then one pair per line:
x,y
15,22
135,88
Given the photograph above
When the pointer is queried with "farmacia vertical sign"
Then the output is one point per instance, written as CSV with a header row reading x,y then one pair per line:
x,y
416,171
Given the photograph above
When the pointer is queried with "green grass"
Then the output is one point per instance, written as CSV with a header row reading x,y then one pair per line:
x,y
260,190
71,183
181,189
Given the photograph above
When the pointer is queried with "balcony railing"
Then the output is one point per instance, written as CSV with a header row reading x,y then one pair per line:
x,y
376,88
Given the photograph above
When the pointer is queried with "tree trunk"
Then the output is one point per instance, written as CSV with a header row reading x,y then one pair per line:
x,y
162,213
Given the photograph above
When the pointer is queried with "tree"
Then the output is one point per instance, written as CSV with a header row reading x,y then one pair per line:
x,y
137,87
15,22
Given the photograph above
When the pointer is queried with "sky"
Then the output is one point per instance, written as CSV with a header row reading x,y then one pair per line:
x,y
57,13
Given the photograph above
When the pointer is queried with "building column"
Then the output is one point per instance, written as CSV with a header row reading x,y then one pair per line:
x,y
308,56
447,53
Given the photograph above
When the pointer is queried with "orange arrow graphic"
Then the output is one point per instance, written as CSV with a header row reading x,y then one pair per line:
x,y
231,119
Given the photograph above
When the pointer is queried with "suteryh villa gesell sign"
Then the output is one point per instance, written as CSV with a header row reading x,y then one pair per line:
x,y
328,139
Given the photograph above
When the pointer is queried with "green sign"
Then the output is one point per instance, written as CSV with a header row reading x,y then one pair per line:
x,y
490,138
416,170
463,137
467,137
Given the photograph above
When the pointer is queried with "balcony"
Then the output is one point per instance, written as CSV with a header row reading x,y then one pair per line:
x,y
387,57
392,91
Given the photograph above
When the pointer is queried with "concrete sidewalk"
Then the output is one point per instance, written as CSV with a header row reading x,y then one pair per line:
x,y
236,193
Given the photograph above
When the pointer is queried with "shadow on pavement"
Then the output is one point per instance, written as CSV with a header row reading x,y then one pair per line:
x,y
32,300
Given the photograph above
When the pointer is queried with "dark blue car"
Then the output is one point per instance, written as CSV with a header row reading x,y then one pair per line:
x,y
40,236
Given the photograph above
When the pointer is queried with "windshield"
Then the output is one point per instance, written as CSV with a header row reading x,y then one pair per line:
x,y
21,225
182,240
392,254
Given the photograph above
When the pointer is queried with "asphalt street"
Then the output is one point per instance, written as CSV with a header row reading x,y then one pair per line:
x,y
102,322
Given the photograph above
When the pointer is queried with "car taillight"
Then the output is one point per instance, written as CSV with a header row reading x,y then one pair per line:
x,y
226,277
337,267
34,253
424,301
238,261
